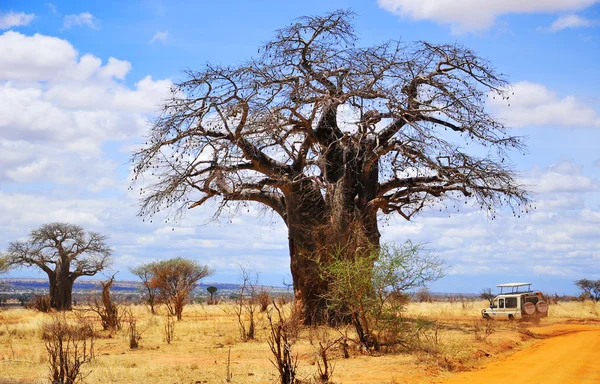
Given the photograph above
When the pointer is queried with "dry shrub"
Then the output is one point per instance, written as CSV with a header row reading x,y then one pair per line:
x,y
247,304
323,344
69,347
283,335
106,308
133,334
482,329
264,299
40,303
169,328
423,295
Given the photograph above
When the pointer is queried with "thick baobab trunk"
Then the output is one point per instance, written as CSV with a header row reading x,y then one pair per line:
x,y
307,258
61,289
318,225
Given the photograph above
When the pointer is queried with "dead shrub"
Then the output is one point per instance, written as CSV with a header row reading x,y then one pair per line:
x,y
106,308
40,303
264,299
169,329
483,328
133,334
427,336
423,295
247,304
283,336
69,348
323,343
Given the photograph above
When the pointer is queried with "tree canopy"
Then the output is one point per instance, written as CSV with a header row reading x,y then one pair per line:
x,y
245,133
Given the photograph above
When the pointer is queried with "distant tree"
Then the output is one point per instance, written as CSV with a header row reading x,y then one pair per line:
x,y
212,290
144,272
324,133
64,252
4,267
4,264
486,294
174,280
590,288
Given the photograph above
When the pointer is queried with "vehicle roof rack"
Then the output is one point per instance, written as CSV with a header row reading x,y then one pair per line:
x,y
514,287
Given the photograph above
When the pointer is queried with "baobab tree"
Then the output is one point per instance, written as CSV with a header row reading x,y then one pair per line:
x,y
329,135
64,252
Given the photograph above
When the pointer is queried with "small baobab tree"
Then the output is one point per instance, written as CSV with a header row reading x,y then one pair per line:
x,y
327,134
64,252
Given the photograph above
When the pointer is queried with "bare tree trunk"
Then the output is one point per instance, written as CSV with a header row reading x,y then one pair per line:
x,y
318,224
61,289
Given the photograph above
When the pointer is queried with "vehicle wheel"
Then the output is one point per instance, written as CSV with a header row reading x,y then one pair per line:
x,y
486,317
541,307
511,318
529,308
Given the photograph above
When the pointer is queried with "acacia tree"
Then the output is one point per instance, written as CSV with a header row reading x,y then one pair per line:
x,y
326,134
487,294
174,280
590,288
144,272
64,252
212,290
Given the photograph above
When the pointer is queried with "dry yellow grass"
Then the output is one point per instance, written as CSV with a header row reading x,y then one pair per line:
x,y
455,339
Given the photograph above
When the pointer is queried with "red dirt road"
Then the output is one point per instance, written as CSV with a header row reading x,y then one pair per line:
x,y
570,354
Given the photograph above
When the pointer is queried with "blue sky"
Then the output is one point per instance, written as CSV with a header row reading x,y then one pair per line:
x,y
80,80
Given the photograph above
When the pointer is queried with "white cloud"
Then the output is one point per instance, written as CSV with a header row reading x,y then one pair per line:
x,y
13,19
83,19
534,104
160,37
58,110
475,15
572,21
562,177
551,270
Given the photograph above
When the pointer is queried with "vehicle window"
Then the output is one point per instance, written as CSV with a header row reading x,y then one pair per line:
x,y
511,302
501,303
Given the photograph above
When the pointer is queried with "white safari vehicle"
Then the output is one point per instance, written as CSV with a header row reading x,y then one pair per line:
x,y
519,303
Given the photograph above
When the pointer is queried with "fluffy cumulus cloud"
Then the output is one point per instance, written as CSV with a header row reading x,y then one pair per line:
x,y
64,119
475,15
532,104
14,19
58,109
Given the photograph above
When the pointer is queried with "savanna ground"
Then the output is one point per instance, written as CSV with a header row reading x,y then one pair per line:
x,y
444,340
